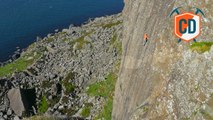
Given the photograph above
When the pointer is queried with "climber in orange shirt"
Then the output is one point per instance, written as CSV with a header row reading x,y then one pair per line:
x,y
145,39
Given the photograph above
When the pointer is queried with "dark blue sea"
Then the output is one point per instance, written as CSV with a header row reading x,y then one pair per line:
x,y
21,21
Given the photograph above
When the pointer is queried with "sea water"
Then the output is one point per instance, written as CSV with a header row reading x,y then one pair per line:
x,y
21,21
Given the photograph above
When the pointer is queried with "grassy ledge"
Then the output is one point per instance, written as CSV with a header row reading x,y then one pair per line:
x,y
43,105
104,89
112,24
19,65
201,47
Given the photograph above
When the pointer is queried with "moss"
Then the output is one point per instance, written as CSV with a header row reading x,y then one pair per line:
x,y
201,47
19,65
86,110
112,24
43,105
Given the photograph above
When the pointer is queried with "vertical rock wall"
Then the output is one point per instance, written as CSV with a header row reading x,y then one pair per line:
x,y
158,81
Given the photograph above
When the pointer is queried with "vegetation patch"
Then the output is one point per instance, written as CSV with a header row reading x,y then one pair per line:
x,y
114,38
201,47
65,99
104,89
19,65
50,39
112,24
66,83
145,108
46,84
107,111
53,101
86,110
40,118
81,41
116,43
69,88
68,111
43,105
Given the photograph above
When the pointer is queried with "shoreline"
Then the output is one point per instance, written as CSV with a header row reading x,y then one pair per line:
x,y
19,51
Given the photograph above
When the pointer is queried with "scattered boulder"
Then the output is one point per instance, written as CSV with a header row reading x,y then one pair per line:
x,y
16,104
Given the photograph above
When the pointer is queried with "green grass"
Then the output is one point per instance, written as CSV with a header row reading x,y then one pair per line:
x,y
18,65
81,41
114,38
107,111
69,86
86,110
117,44
43,105
104,89
112,24
201,47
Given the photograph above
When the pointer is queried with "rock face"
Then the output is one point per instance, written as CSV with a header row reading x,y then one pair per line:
x,y
16,103
164,79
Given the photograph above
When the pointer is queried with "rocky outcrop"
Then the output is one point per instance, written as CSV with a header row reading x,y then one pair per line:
x,y
164,79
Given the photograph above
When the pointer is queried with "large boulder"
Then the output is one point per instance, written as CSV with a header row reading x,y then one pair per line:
x,y
16,104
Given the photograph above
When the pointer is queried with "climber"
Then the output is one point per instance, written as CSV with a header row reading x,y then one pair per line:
x,y
145,39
